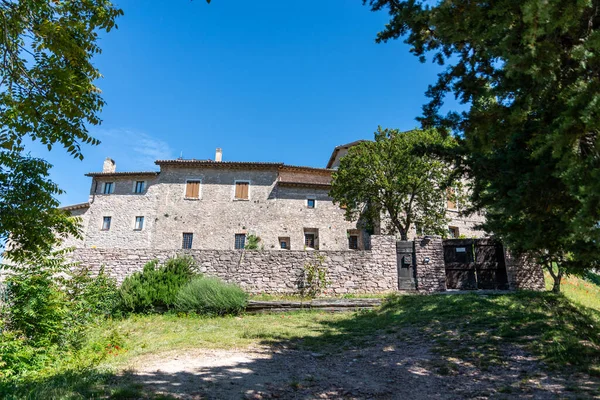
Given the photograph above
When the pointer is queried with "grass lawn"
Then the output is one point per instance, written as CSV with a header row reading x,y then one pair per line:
x,y
563,331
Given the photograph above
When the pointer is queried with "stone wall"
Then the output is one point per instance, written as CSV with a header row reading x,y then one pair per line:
x,y
430,269
268,271
523,273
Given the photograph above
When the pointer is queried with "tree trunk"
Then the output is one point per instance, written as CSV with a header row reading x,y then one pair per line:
x,y
403,235
556,277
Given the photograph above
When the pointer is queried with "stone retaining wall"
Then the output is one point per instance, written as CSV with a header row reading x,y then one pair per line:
x,y
281,271
270,271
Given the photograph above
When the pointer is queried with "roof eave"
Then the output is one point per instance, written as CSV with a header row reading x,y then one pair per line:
x,y
117,174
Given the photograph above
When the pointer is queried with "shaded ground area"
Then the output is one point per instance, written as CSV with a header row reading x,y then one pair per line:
x,y
514,345
388,367
526,345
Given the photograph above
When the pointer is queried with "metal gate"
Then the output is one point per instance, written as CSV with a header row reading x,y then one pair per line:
x,y
406,260
474,264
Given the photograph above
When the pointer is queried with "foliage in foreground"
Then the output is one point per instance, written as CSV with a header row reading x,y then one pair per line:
x,y
561,333
529,73
212,296
46,312
387,175
47,93
156,287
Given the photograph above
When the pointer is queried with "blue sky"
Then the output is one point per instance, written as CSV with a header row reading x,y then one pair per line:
x,y
265,80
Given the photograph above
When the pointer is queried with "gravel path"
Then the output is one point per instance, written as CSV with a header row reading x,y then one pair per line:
x,y
386,368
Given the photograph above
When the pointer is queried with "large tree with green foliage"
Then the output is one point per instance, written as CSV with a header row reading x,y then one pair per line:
x,y
387,175
529,74
48,94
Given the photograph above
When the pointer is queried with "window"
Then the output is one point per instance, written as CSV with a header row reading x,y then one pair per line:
x,y
309,240
187,240
311,203
192,189
109,187
240,240
139,187
284,243
139,223
451,199
241,190
453,230
106,223
353,242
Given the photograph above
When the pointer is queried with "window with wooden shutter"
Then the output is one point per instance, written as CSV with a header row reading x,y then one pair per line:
x,y
451,199
192,189
241,190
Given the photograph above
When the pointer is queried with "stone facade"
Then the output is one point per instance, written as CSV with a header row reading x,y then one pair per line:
x,y
372,271
273,210
277,208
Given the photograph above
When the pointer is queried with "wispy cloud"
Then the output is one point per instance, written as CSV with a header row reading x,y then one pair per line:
x,y
134,148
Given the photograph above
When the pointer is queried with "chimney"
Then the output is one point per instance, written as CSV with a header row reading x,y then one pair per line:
x,y
109,166
219,155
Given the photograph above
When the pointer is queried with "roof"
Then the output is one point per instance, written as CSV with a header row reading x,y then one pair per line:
x,y
211,163
286,167
305,184
116,174
342,146
75,206
304,176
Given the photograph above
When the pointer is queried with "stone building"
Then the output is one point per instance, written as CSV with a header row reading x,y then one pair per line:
x,y
216,205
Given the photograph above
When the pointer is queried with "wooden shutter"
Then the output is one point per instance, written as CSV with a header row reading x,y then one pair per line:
x,y
451,203
241,190
192,189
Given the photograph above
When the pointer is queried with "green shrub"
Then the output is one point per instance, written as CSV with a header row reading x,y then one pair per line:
x,y
92,297
18,356
154,288
45,311
36,307
211,296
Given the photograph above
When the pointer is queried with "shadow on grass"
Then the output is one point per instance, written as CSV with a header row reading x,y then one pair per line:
x,y
534,345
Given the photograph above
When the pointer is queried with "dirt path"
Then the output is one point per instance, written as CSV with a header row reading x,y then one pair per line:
x,y
404,370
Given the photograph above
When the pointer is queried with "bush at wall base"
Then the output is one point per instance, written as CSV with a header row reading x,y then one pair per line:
x,y
155,288
211,296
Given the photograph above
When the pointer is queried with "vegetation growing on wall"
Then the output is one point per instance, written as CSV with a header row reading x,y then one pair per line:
x,y
316,278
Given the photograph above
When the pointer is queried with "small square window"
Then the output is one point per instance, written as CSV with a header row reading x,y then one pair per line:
x,y
106,223
311,203
187,240
284,243
240,240
454,234
192,189
139,187
241,190
353,242
109,187
139,223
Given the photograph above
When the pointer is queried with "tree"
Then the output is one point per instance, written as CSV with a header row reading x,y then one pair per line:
x,y
47,93
529,75
388,175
